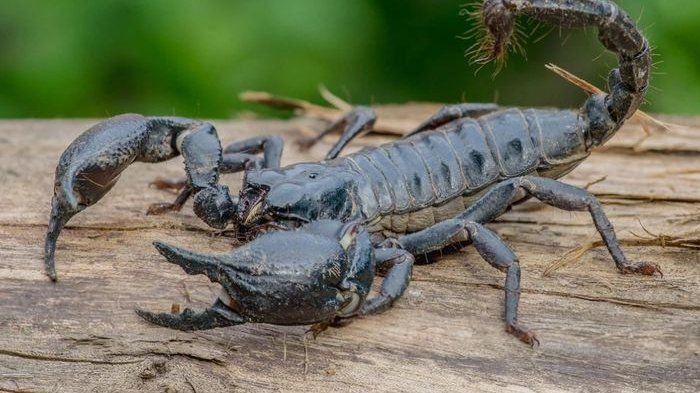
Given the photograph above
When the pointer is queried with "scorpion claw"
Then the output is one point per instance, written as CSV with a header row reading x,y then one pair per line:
x,y
312,275
60,214
523,333
192,263
216,316
644,268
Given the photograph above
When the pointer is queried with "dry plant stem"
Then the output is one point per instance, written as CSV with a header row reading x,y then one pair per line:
x,y
334,100
594,182
306,108
384,125
689,240
643,118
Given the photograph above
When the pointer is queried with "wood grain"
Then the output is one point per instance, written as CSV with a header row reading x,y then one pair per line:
x,y
600,331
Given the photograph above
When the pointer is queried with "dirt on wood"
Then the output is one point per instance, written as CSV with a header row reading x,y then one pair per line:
x,y
600,331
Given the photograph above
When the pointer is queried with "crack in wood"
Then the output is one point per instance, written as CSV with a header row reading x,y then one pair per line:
x,y
624,302
53,358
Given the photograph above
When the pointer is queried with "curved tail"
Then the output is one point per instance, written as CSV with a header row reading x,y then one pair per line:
x,y
627,84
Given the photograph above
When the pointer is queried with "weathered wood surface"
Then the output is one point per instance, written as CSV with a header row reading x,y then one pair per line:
x,y
600,331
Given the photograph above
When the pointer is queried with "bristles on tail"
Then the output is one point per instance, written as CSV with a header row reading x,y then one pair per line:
x,y
496,30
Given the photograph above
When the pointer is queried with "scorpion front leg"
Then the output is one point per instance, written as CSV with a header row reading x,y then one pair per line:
x,y
491,248
562,196
398,266
237,157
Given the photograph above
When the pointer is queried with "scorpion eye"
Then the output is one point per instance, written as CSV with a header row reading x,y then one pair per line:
x,y
313,175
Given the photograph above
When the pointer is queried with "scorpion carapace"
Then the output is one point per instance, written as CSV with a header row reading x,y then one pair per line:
x,y
460,169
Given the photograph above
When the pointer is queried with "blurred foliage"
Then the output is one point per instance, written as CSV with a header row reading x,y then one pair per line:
x,y
82,58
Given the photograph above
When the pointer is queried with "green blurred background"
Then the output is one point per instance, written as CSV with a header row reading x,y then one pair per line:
x,y
98,58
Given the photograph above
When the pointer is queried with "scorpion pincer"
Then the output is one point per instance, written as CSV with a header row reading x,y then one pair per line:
x,y
273,280
436,187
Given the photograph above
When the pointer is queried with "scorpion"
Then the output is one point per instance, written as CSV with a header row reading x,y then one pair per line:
x,y
319,231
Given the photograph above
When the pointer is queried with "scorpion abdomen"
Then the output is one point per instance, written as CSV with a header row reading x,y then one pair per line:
x,y
431,176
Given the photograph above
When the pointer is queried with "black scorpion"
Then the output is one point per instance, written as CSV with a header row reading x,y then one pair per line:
x,y
333,224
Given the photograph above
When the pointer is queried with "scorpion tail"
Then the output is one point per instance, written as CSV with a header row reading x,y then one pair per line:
x,y
627,84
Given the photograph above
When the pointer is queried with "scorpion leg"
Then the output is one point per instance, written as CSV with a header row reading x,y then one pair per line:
x,y
230,163
236,157
270,145
398,265
491,248
161,183
450,113
356,122
164,207
562,196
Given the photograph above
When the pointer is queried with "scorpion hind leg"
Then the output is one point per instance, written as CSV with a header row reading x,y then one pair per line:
x,y
491,248
362,119
562,196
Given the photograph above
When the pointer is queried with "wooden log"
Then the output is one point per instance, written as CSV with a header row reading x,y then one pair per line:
x,y
600,331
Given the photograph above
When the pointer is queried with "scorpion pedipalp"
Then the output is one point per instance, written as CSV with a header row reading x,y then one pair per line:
x,y
191,262
91,165
303,276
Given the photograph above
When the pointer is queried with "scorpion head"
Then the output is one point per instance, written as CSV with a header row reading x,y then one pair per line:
x,y
297,194
312,274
